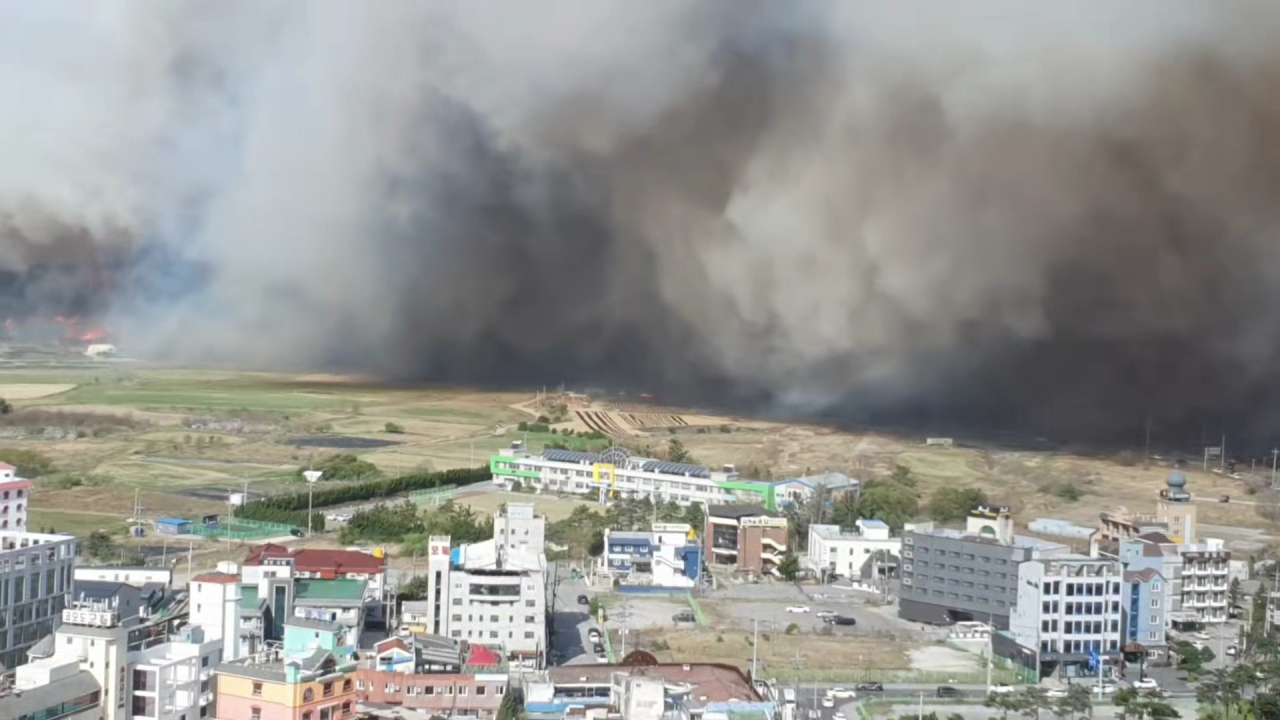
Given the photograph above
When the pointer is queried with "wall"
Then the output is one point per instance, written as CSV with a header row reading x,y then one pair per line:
x,y
929,556
373,687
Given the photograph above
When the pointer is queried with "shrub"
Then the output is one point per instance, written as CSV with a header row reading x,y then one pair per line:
x,y
719,638
29,464
523,426
793,629
1067,491
394,428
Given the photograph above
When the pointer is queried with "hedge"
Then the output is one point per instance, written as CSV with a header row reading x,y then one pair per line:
x,y
291,508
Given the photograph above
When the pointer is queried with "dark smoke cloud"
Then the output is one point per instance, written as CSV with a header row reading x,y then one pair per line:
x,y
1060,217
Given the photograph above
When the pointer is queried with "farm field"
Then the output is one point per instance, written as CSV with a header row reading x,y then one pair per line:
x,y
182,440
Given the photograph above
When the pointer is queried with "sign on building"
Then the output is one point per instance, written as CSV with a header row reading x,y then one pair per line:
x,y
91,618
763,522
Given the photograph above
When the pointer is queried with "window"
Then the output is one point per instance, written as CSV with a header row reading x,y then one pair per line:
x,y
528,635
457,618
257,691
429,690
493,634
479,690
1155,602
1155,585
308,695
1154,619
462,691
204,661
255,713
346,685
529,603
457,601
529,618
346,708
306,715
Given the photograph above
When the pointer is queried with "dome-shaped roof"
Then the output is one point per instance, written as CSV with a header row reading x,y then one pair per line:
x,y
1177,480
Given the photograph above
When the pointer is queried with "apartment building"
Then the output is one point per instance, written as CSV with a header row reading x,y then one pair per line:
x,y
1206,568
14,495
1154,551
365,566
668,555
35,579
90,654
434,676
868,552
747,538
1174,517
311,676
174,680
1070,611
1145,617
616,473
491,593
696,690
830,486
950,575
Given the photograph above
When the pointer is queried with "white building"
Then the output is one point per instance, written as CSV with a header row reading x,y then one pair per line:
x,y
669,555
1070,609
829,485
90,640
14,496
136,576
868,552
1206,580
35,579
215,607
520,530
615,471
174,680
487,593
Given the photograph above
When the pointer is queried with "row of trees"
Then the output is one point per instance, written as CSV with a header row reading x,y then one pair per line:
x,y
583,531
1032,701
404,523
345,466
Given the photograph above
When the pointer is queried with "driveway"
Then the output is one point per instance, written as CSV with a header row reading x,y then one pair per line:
x,y
569,620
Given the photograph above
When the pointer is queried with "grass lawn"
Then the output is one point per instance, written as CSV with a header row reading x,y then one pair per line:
x,y
77,523
553,507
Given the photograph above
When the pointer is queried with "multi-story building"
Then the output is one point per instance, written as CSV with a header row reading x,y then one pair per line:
x,y
1156,552
333,601
14,495
869,552
174,680
667,556
950,576
1206,567
1145,618
830,486
311,676
616,473
1069,611
35,579
745,537
90,654
520,529
150,612
434,676
486,593
277,561
709,691
1175,518
215,606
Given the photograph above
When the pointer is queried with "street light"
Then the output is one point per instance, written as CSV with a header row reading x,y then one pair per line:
x,y
312,476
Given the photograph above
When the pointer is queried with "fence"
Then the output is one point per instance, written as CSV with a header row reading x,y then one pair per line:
x,y
851,675
434,496
697,610
241,529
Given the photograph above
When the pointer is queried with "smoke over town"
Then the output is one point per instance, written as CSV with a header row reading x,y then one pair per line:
x,y
1061,216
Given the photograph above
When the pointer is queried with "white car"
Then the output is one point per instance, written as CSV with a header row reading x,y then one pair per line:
x,y
1145,684
828,701
838,716
1056,693
1202,635
797,608
826,613
1103,689
841,693
1001,689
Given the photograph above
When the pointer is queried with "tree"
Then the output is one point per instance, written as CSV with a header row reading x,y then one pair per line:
x,y
1076,702
789,568
1004,702
1032,700
952,503
99,545
694,516
893,503
5,407
1233,593
394,428
676,452
512,707
901,475
1133,705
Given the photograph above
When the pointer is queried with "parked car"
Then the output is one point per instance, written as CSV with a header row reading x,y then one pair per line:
x,y
594,635
838,716
869,687
685,616
828,701
1202,635
1001,689
825,613
1106,689
797,608
946,691
601,659
297,532
841,693
1146,684
584,600
1056,693
1232,651
839,620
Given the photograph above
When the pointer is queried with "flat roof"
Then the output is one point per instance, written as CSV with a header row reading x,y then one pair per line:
x,y
329,589
714,681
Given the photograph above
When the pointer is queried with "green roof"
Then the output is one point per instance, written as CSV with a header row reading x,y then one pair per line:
x,y
248,597
329,589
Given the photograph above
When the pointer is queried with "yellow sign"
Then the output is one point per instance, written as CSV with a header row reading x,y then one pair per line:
x,y
608,467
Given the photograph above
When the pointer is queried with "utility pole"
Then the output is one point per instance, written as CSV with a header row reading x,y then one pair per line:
x,y
1274,453
1148,425
755,642
920,712
1222,453
991,654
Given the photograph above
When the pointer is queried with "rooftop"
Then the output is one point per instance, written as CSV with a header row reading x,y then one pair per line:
x,y
339,590
738,511
716,682
316,560
625,535
828,480
216,577
33,700
1019,541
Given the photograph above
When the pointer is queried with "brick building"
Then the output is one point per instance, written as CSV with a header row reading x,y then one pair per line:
x,y
745,537
433,674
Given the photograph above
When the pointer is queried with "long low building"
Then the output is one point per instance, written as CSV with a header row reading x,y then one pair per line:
x,y
616,472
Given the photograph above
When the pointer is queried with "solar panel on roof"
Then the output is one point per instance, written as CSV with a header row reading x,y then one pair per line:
x,y
673,468
569,456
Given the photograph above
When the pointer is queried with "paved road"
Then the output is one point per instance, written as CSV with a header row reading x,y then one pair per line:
x,y
569,620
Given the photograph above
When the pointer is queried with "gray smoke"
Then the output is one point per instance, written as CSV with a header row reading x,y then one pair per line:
x,y
1055,215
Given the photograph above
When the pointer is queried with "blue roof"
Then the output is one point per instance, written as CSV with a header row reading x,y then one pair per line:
x,y
172,521
873,523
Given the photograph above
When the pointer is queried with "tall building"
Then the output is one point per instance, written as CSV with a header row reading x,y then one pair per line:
x,y
747,538
14,495
90,653
215,606
311,676
1206,568
963,575
616,473
491,593
35,580
1145,618
1156,552
174,680
433,675
869,552
1069,611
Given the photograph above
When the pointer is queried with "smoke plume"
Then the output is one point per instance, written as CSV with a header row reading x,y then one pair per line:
x,y
1060,215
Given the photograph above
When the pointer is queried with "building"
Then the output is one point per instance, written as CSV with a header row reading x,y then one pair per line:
x,y
491,592
150,613
1156,552
745,537
971,574
1145,619
520,529
658,692
868,552
332,601
433,675
1175,517
129,575
35,580
311,676
14,494
1069,611
174,680
277,561
616,473
173,526
215,606
1206,569
667,556
831,486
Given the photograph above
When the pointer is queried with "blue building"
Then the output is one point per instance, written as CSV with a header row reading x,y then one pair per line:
x,y
666,556
1144,615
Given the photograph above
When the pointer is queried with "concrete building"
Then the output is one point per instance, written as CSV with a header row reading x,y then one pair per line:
x,y
433,676
215,607
35,579
971,574
746,538
1070,609
149,613
1206,568
14,496
332,601
489,593
129,575
174,680
1145,619
277,561
311,676
667,556
1156,552
520,529
868,552
1175,518
659,692
616,473
829,485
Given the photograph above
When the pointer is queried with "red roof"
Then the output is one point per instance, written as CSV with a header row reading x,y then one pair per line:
x,y
482,656
6,466
216,577
312,560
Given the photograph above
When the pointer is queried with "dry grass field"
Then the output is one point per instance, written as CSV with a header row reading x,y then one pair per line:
x,y
185,438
